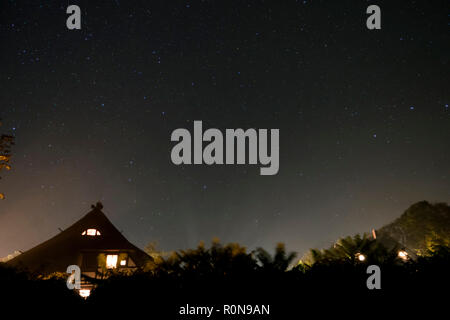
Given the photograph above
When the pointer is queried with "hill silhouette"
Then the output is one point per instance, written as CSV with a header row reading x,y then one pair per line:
x,y
420,227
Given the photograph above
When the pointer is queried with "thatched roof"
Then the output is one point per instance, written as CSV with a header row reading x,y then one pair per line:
x,y
65,248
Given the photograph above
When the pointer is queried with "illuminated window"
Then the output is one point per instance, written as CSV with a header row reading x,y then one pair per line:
x,y
91,232
123,262
84,293
111,261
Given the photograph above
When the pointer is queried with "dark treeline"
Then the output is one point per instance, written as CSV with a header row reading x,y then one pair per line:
x,y
227,274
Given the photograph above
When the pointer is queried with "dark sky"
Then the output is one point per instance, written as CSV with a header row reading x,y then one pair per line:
x,y
363,115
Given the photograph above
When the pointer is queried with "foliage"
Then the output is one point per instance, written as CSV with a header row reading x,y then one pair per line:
x,y
225,259
217,259
229,274
349,249
279,262
420,227
6,142
53,276
158,256
22,290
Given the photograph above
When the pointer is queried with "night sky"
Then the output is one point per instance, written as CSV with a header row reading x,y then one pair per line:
x,y
363,115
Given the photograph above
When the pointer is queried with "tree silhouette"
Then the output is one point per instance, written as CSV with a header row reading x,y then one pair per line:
x,y
6,142
351,248
279,262
218,259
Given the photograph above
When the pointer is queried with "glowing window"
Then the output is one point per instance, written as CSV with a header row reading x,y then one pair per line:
x,y
123,262
91,232
111,261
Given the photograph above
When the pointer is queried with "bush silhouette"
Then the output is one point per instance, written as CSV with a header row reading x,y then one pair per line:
x,y
229,274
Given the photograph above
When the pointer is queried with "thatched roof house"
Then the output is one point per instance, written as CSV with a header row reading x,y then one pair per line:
x,y
92,243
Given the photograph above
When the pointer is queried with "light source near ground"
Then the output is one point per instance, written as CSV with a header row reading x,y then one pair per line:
x,y
402,254
84,293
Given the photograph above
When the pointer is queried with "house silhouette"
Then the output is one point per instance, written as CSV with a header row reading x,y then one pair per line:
x,y
93,243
